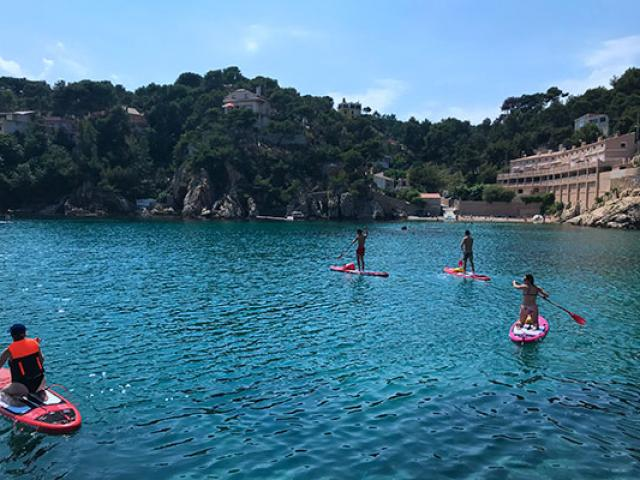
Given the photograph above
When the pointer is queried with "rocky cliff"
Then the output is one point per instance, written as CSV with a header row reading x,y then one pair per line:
x,y
618,211
193,196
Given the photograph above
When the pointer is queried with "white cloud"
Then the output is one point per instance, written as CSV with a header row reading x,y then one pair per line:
x,y
47,66
256,36
59,61
10,67
68,60
379,97
251,45
611,58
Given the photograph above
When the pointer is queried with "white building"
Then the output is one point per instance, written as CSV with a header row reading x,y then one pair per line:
x,y
600,120
12,122
578,175
383,182
255,102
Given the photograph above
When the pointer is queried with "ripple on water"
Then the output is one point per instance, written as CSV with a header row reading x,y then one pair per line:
x,y
228,349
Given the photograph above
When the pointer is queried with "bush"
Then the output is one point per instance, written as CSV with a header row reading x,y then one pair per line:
x,y
556,208
408,194
474,192
545,200
497,193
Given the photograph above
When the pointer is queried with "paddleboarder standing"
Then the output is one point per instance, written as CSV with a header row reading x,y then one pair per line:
x,y
26,363
361,238
466,245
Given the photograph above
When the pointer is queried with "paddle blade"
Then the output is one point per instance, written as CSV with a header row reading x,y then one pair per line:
x,y
578,319
460,263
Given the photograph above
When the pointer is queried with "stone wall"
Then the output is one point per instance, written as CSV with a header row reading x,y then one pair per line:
x,y
623,179
498,209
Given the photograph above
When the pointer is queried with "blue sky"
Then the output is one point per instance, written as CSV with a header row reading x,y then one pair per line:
x,y
429,59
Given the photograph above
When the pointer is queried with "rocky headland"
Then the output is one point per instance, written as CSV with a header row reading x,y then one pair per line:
x,y
617,210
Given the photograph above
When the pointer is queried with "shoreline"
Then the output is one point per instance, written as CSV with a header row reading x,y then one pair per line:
x,y
273,218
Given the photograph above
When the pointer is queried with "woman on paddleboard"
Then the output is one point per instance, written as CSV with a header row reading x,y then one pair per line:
x,y
529,307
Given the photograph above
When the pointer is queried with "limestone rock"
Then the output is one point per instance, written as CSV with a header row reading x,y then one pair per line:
x,y
198,196
377,212
162,211
252,208
570,212
227,207
347,205
333,206
622,212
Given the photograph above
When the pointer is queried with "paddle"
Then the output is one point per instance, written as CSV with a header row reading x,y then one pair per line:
x,y
344,250
577,318
347,247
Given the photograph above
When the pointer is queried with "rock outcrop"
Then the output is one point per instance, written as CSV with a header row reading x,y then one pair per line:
x,y
570,212
197,200
252,208
228,207
328,205
90,201
620,212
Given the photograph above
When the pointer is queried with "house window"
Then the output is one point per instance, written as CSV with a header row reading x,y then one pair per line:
x,y
623,145
519,190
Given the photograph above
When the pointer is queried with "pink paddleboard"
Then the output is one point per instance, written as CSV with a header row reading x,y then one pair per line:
x,y
525,335
349,268
471,276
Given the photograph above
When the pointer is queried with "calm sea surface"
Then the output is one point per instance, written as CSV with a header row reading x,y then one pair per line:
x,y
229,350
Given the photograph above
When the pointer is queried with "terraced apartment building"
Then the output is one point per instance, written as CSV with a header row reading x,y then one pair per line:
x,y
578,175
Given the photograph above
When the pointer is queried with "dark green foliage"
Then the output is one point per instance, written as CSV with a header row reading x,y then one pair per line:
x,y
546,201
497,193
307,146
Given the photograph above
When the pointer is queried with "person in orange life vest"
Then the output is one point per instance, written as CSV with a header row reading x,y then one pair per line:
x,y
26,363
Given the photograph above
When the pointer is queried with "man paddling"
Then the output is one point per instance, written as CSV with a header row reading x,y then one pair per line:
x,y
361,238
466,245
26,363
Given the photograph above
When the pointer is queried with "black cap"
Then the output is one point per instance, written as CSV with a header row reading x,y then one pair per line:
x,y
17,328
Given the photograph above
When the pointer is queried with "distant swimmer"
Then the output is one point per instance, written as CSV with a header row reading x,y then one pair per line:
x,y
25,362
529,308
361,238
466,245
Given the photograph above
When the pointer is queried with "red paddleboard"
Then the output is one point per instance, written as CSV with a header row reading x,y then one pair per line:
x,y
349,268
472,276
528,335
51,414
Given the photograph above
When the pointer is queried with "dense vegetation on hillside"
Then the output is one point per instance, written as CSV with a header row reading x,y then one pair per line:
x,y
188,129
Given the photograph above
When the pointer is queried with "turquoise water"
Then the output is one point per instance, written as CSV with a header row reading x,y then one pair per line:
x,y
228,350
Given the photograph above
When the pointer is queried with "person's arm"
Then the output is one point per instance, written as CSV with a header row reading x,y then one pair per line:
x,y
517,285
4,357
542,292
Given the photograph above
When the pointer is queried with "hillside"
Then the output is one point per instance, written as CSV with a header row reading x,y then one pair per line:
x,y
192,156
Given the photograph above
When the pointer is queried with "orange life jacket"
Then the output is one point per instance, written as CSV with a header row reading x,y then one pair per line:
x,y
25,362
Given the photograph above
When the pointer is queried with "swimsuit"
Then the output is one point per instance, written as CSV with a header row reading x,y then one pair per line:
x,y
360,251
